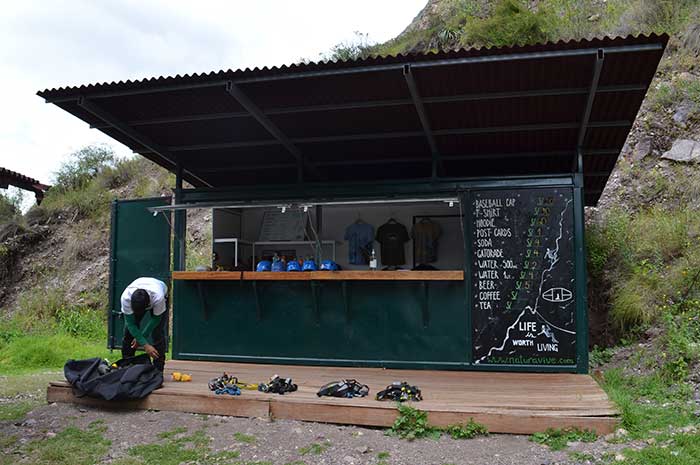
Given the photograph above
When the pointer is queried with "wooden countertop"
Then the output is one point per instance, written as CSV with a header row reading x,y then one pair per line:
x,y
450,275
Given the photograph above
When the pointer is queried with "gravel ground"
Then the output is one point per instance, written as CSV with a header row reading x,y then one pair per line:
x,y
281,441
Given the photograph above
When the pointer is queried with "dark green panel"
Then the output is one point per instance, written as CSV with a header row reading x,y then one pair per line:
x,y
384,323
140,246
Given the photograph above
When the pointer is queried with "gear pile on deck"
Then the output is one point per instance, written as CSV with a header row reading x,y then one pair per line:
x,y
398,391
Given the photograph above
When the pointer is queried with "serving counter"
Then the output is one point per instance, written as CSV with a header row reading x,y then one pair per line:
x,y
363,318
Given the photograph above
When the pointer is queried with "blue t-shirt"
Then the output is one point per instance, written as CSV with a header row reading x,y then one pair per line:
x,y
360,237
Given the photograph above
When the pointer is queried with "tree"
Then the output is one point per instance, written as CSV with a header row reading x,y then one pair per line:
x,y
82,166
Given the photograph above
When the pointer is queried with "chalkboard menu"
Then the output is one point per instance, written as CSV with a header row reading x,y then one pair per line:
x,y
523,292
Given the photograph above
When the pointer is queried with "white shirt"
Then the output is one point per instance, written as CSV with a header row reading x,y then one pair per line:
x,y
157,291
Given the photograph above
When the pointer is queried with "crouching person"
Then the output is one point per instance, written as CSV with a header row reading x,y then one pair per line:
x,y
144,305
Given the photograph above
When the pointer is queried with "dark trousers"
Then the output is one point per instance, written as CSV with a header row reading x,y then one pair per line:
x,y
158,336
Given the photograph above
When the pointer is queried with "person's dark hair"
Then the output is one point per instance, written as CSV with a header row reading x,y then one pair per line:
x,y
139,301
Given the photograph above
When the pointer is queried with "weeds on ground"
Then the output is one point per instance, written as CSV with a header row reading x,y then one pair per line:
x,y
468,430
682,449
382,458
177,448
315,448
72,446
245,438
557,439
412,423
648,403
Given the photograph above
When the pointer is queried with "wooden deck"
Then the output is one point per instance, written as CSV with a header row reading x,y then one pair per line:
x,y
521,403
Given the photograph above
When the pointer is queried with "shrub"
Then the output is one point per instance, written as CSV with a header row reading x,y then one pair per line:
x,y
358,47
511,23
10,205
120,174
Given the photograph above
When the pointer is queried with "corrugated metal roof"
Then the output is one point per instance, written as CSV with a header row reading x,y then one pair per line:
x,y
489,112
12,178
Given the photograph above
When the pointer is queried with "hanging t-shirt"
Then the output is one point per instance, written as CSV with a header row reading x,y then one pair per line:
x,y
425,236
360,237
392,235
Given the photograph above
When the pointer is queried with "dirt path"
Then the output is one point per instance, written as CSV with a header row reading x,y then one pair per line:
x,y
290,442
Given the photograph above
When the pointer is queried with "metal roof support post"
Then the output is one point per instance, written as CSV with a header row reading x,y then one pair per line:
x,y
422,115
179,224
234,91
597,67
113,121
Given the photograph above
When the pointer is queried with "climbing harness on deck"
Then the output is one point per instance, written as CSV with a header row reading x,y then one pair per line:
x,y
278,385
343,388
400,392
227,384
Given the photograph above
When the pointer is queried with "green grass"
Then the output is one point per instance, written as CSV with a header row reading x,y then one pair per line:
x,y
315,448
177,448
648,403
245,438
72,446
25,354
557,439
22,393
683,449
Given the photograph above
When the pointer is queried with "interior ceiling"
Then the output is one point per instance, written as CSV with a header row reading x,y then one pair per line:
x,y
499,112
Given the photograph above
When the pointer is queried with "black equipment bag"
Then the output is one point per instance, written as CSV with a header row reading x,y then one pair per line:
x,y
129,378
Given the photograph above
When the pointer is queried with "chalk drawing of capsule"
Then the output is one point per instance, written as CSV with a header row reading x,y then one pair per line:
x,y
557,294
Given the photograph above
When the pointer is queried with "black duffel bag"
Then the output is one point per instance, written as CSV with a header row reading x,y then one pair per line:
x,y
133,378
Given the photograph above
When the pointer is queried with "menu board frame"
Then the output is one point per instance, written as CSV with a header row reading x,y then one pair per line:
x,y
579,363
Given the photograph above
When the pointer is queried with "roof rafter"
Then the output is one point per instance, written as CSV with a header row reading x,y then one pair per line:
x,y
423,117
234,91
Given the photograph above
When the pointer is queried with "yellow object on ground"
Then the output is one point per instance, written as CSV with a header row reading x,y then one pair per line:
x,y
182,377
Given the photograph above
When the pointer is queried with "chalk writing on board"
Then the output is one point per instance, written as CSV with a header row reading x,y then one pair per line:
x,y
523,272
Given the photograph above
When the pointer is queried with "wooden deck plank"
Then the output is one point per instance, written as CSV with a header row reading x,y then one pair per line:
x,y
505,402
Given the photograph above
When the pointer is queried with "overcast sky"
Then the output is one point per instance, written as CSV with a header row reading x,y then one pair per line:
x,y
46,44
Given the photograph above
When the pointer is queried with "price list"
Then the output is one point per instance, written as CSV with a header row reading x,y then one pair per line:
x,y
522,247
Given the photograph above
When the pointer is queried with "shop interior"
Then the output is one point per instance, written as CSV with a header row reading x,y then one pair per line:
x,y
406,235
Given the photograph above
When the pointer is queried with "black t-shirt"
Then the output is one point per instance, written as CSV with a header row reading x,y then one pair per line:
x,y
392,236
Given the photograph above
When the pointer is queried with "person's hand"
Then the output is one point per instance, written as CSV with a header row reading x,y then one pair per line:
x,y
151,351
134,344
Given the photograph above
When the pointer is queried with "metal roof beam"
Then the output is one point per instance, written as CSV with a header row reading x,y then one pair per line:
x,y
402,134
366,69
142,140
456,61
383,103
234,91
397,160
597,67
423,117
